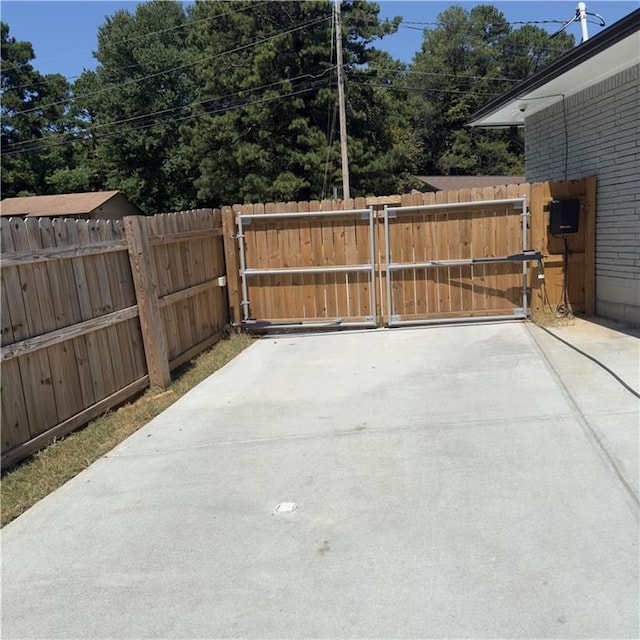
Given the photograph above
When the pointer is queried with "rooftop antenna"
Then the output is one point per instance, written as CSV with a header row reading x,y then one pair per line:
x,y
581,14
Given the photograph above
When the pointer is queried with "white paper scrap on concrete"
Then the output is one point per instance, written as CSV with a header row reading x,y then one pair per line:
x,y
286,507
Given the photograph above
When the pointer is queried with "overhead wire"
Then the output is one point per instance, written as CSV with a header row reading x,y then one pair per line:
x,y
181,119
94,127
576,16
188,23
451,75
409,25
131,81
421,89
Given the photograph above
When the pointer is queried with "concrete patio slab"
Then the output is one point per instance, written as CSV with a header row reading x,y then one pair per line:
x,y
448,484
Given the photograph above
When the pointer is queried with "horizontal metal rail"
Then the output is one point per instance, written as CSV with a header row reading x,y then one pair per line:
x,y
454,205
257,325
456,320
302,214
463,262
287,271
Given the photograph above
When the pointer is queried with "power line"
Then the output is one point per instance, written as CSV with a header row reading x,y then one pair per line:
x,y
177,68
182,119
188,23
421,89
408,25
521,22
440,24
452,75
37,84
91,129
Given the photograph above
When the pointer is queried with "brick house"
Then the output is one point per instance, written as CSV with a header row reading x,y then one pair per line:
x,y
581,117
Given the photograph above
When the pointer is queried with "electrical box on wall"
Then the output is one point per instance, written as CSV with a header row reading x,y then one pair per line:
x,y
564,216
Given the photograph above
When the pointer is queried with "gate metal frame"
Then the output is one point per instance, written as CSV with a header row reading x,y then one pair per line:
x,y
392,212
244,219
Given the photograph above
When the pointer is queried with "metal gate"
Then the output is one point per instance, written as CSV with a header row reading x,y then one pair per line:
x,y
456,261
310,269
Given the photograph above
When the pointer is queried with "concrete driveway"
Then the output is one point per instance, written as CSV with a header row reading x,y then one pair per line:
x,y
467,482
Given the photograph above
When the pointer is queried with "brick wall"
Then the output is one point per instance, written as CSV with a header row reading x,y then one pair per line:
x,y
601,126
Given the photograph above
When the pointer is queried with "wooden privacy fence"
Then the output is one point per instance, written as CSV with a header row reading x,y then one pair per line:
x,y
297,266
93,311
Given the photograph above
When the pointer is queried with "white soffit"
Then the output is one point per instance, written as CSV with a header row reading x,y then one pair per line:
x,y
620,56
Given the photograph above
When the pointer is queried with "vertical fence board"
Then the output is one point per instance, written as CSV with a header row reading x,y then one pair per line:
x,y
15,419
119,285
74,300
454,253
305,260
156,225
233,264
98,340
185,251
144,277
35,368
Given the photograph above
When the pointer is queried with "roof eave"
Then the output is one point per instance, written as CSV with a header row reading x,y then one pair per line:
x,y
582,53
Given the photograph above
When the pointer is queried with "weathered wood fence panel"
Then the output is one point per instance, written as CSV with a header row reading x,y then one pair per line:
x,y
191,280
72,340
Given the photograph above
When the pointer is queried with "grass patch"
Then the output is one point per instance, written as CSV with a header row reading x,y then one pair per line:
x,y
45,471
547,318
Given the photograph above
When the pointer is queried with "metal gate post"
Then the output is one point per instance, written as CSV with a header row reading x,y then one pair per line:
x,y
372,257
245,296
387,248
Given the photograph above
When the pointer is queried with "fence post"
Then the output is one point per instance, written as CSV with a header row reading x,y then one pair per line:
x,y
145,281
232,264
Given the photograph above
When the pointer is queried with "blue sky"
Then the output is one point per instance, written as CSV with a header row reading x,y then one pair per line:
x,y
63,33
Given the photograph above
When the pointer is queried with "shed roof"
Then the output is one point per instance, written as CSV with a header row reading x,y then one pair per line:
x,y
448,183
71,204
611,51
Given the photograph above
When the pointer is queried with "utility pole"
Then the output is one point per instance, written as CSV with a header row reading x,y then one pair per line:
x,y
341,107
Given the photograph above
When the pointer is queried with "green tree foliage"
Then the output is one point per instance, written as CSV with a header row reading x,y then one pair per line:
x,y
133,102
34,114
280,145
234,101
468,59
223,101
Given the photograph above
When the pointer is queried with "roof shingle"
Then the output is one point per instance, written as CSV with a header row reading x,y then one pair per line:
x,y
58,205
